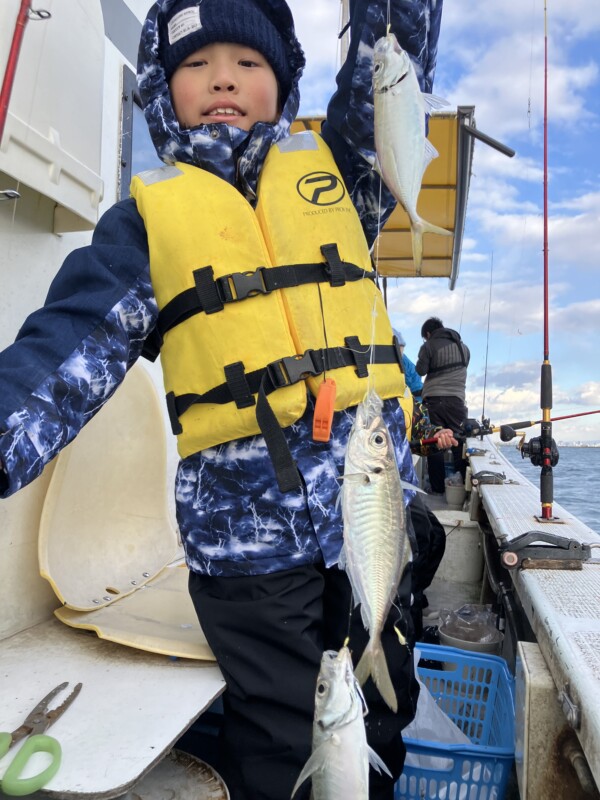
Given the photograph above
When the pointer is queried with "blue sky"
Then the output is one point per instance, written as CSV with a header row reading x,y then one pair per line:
x,y
491,55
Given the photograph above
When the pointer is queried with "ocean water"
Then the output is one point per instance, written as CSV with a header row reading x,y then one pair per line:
x,y
576,480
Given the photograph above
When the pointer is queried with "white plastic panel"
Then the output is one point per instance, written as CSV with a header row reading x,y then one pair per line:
x,y
132,707
53,131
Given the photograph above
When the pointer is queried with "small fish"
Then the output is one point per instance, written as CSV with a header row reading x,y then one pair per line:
x,y
403,150
376,546
339,763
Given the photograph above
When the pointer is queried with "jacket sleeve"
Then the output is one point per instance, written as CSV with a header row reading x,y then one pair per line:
x,y
422,365
70,355
349,127
413,381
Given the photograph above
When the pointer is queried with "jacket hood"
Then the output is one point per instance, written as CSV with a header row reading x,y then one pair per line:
x,y
228,152
446,333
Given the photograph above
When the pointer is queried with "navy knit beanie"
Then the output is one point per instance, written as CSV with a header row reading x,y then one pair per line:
x,y
192,24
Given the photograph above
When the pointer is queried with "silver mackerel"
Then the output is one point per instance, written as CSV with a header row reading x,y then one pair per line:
x,y
403,150
376,547
339,763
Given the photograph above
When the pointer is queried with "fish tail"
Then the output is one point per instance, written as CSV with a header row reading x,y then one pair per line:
x,y
373,663
418,227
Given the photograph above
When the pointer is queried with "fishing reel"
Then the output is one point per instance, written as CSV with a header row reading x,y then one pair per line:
x,y
534,451
472,427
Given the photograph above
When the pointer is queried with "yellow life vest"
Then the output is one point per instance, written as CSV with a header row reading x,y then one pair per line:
x,y
212,255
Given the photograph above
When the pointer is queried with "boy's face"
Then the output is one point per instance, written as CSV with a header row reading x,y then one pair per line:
x,y
224,82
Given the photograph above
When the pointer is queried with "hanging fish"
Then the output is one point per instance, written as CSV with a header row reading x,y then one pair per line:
x,y
376,547
403,150
339,763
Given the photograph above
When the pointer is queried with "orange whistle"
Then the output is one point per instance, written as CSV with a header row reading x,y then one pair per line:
x,y
324,411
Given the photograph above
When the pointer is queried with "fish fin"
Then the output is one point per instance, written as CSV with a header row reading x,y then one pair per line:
x,y
340,498
373,663
377,762
342,559
364,666
433,101
418,227
429,154
410,487
366,620
377,167
316,762
416,233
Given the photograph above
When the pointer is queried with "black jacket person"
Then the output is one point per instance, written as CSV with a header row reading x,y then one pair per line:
x,y
443,359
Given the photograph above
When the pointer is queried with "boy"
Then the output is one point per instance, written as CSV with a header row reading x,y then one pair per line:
x,y
244,262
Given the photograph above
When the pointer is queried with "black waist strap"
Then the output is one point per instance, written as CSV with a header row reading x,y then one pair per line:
x,y
240,386
285,372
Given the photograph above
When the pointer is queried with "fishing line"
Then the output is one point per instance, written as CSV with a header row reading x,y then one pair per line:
x,y
487,343
350,610
455,528
14,210
326,359
376,266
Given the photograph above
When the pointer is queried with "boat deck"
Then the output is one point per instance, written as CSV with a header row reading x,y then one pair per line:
x,y
562,605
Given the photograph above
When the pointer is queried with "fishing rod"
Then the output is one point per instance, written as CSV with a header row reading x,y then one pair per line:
x,y
24,15
508,431
11,64
548,452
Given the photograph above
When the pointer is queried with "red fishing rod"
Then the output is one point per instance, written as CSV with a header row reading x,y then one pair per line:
x,y
507,431
11,64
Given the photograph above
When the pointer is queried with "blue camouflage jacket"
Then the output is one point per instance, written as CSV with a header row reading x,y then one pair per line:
x,y
71,355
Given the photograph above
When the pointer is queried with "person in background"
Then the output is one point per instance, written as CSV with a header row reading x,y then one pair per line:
x,y
213,262
413,380
443,360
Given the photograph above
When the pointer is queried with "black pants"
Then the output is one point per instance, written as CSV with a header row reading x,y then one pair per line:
x,y
450,412
431,543
268,634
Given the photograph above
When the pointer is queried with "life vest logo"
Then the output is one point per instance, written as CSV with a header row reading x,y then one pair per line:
x,y
321,188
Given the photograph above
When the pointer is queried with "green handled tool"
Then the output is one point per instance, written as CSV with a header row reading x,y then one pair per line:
x,y
40,718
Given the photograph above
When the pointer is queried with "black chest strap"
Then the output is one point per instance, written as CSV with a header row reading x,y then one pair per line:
x,y
209,295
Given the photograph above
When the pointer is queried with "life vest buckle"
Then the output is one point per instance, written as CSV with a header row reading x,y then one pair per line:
x,y
291,369
245,284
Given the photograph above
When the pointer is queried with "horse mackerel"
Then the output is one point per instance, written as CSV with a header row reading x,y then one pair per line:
x,y
339,763
376,547
403,150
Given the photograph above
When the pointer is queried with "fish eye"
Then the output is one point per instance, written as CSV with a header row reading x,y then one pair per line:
x,y
378,439
377,67
321,689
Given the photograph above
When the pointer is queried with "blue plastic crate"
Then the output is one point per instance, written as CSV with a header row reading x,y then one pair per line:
x,y
477,692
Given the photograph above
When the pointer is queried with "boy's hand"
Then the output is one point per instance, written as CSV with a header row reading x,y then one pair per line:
x,y
445,439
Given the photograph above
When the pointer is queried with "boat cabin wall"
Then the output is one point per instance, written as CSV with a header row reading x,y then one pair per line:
x,y
53,127
62,152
